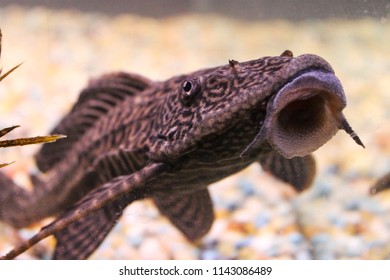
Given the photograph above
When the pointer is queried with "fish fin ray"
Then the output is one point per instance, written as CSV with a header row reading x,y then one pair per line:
x,y
130,187
95,100
297,171
81,238
192,214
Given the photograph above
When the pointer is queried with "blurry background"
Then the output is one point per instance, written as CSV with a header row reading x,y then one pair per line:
x,y
244,9
64,43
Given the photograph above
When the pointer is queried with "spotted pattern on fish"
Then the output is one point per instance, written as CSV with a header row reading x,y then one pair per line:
x,y
129,138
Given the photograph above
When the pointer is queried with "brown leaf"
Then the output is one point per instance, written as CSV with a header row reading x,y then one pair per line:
x,y
30,140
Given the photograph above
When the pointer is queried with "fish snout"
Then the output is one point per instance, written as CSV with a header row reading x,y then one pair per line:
x,y
304,114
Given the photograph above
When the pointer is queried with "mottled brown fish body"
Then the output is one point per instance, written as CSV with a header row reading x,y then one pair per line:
x,y
129,138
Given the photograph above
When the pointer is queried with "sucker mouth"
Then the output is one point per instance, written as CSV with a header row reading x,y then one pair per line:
x,y
304,114
304,72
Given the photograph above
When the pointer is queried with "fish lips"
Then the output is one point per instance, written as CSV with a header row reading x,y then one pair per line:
x,y
303,115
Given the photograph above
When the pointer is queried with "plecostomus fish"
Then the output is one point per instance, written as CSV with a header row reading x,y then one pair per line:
x,y
130,138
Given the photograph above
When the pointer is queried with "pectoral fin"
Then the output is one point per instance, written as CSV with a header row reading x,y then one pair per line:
x,y
297,171
81,238
129,186
192,214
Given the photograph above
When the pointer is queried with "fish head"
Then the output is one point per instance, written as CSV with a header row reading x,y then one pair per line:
x,y
293,104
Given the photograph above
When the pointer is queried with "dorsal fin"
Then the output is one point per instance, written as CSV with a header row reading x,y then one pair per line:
x,y
96,100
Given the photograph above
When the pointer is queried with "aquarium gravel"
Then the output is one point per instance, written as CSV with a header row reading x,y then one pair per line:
x,y
257,217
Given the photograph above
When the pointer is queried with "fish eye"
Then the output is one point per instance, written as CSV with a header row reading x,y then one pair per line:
x,y
187,86
189,90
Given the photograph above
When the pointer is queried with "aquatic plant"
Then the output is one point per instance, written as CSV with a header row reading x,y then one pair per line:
x,y
20,141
